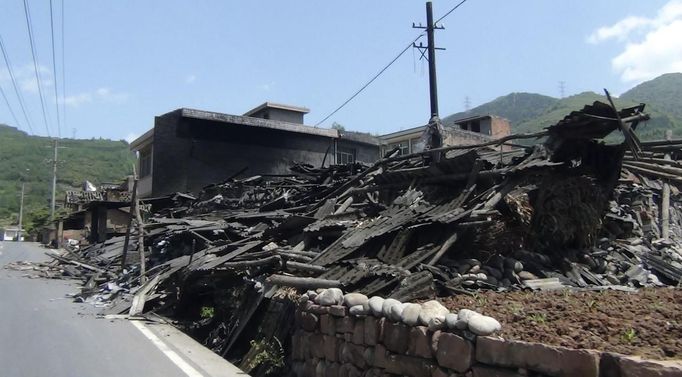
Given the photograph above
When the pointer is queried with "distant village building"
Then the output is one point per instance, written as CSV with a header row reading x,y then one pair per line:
x,y
471,130
11,234
94,215
188,149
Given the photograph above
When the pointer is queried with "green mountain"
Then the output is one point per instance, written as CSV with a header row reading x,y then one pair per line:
x,y
664,92
27,157
530,112
517,107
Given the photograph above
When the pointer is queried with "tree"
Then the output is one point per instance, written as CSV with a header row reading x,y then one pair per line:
x,y
338,126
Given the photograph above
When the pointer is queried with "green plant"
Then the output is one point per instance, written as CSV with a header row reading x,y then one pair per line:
x,y
591,304
538,317
629,335
207,312
269,354
481,301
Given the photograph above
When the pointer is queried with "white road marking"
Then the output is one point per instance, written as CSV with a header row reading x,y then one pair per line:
x,y
163,347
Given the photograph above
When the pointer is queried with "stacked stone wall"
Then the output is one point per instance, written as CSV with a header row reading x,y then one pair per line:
x,y
337,341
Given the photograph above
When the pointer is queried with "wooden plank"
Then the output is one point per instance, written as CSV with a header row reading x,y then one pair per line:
x,y
301,282
140,297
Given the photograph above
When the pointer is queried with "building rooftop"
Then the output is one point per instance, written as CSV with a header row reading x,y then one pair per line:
x,y
279,106
258,122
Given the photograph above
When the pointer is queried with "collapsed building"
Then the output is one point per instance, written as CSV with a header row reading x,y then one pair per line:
x,y
573,212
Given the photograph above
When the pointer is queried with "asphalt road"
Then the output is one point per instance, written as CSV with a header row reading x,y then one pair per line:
x,y
43,333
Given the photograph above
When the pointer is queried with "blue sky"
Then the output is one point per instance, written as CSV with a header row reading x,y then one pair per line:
x,y
127,61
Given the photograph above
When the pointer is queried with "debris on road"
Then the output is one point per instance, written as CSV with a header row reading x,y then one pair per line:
x,y
573,212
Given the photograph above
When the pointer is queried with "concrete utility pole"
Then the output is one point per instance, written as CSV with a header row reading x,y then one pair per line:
x,y
433,86
431,57
21,213
54,179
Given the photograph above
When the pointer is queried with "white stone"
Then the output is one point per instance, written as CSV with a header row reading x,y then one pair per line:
x,y
330,296
461,324
357,310
432,309
389,303
410,315
436,323
451,321
353,299
376,304
465,314
483,325
395,312
311,294
304,298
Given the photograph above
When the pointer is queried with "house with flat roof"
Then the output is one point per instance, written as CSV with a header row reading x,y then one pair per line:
x,y
464,131
188,149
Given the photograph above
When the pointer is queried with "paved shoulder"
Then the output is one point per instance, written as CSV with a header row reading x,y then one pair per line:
x,y
44,334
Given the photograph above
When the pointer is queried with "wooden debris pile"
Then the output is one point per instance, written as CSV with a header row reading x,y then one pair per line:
x,y
571,212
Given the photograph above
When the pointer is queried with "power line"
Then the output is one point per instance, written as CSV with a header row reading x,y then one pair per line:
x,y
450,11
371,80
14,84
54,73
16,121
386,67
27,13
63,68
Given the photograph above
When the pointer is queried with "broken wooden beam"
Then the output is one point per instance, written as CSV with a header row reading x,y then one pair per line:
x,y
302,282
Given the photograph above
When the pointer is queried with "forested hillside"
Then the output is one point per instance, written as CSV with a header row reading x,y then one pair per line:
x,y
529,112
28,158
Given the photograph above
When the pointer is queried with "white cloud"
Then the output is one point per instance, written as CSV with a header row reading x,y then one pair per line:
x,y
77,100
652,46
102,95
131,137
620,30
190,79
26,78
660,52
103,92
267,86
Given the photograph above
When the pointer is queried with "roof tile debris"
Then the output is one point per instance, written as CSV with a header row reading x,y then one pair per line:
x,y
573,212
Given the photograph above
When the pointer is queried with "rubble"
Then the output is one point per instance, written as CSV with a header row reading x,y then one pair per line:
x,y
571,212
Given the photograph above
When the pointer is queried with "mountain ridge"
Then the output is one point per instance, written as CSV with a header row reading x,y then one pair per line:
x,y
530,112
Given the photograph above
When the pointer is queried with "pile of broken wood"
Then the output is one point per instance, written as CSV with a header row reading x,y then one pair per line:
x,y
572,212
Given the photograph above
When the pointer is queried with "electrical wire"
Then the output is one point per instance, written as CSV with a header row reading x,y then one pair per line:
x,y
385,67
27,13
14,84
63,68
16,121
54,73
450,11
371,80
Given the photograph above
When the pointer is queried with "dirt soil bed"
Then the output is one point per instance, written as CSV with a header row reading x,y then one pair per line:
x,y
646,323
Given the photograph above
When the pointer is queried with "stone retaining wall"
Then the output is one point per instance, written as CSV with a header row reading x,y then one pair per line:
x,y
329,341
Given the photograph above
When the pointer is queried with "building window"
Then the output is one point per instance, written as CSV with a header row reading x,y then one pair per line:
x,y
145,162
345,155
403,146
416,145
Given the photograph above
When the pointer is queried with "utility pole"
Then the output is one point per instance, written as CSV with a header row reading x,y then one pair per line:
x,y
433,88
431,57
21,212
